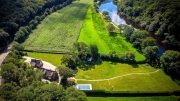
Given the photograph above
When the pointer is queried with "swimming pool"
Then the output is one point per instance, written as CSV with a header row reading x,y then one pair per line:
x,y
84,86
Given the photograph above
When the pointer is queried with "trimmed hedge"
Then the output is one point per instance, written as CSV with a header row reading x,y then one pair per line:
x,y
121,59
47,51
101,93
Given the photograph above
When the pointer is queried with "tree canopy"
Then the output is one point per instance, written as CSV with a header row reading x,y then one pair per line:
x,y
159,16
23,83
65,72
19,17
170,60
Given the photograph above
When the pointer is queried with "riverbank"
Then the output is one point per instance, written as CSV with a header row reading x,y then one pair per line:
x,y
118,19
94,32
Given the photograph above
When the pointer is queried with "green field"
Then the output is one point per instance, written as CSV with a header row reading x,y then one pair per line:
x,y
131,82
60,30
106,70
168,98
54,59
94,32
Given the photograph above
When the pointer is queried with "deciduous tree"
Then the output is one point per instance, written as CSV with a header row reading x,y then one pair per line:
x,y
151,53
170,60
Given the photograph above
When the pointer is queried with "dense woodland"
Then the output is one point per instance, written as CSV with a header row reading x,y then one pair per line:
x,y
159,16
25,14
22,83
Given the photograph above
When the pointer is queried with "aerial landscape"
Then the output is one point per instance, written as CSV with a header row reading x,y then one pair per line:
x,y
89,50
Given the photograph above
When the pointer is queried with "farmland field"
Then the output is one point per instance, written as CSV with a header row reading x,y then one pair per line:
x,y
167,98
60,30
94,32
151,80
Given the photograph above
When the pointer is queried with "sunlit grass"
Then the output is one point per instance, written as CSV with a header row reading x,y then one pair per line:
x,y
54,59
94,32
135,82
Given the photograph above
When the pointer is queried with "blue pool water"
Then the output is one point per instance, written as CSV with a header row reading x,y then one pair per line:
x,y
84,87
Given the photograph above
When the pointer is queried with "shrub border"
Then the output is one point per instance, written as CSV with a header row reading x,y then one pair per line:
x,y
102,93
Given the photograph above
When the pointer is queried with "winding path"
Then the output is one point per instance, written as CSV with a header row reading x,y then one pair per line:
x,y
118,76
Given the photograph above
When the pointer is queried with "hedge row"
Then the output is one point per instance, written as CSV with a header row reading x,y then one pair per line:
x,y
101,93
47,51
121,59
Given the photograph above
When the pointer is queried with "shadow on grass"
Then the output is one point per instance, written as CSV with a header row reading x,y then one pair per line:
x,y
134,65
87,67
113,34
90,65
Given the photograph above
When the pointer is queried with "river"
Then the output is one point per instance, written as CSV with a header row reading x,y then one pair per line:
x,y
109,6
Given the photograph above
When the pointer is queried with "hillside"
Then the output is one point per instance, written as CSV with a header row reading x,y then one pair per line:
x,y
161,17
17,13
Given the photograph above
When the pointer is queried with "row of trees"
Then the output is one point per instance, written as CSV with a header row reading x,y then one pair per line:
x,y
24,31
160,16
169,61
3,39
39,91
142,41
18,13
128,57
85,56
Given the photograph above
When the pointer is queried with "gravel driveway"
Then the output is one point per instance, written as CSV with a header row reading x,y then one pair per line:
x,y
46,65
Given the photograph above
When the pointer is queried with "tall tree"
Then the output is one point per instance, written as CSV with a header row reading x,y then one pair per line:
x,y
151,53
10,73
49,92
170,61
110,27
149,41
127,32
3,39
137,37
73,94
94,51
64,72
69,61
130,56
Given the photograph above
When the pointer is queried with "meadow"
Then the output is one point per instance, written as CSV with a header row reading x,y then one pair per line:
x,y
167,98
60,30
151,79
94,32
135,82
54,59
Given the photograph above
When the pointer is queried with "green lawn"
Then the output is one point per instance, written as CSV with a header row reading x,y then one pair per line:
x,y
54,59
135,82
106,70
94,32
167,98
60,30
